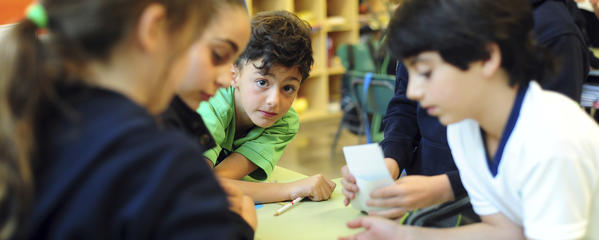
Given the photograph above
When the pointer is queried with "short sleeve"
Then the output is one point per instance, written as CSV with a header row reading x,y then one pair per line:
x,y
557,197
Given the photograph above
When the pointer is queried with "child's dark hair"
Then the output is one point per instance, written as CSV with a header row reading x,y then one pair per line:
x,y
78,32
460,30
279,37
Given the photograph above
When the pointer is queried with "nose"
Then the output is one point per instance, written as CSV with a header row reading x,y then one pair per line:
x,y
415,89
272,99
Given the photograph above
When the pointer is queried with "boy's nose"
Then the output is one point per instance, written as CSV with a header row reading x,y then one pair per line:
x,y
273,97
414,91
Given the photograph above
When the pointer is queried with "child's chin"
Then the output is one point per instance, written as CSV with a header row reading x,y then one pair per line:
x,y
448,120
263,124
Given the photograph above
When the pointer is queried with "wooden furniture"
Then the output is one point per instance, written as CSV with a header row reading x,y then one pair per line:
x,y
333,22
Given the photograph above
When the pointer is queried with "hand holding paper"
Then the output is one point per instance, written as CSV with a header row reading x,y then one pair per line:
x,y
367,164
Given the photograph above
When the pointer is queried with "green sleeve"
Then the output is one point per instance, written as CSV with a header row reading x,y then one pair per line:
x,y
266,149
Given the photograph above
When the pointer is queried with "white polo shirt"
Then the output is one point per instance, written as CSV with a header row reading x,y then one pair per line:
x,y
547,167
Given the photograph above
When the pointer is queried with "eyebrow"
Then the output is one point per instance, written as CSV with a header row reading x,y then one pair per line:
x,y
418,59
231,43
293,79
289,78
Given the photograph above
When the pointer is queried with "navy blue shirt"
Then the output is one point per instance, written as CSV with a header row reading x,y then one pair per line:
x,y
556,30
105,170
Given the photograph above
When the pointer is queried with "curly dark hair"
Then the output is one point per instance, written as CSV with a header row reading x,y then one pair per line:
x,y
279,37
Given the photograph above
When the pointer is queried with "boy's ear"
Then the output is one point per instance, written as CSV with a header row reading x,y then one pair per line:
x,y
493,63
236,72
151,27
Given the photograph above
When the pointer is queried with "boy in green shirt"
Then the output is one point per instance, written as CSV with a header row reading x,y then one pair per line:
x,y
252,121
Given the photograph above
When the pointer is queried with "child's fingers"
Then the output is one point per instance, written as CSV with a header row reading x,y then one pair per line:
x,y
356,223
348,238
394,190
349,186
324,192
347,175
392,213
348,194
331,184
327,187
386,202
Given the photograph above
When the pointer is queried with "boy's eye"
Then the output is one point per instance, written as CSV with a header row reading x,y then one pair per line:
x,y
426,74
289,89
261,83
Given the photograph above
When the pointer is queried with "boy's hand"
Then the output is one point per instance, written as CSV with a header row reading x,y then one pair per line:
x,y
408,193
317,188
240,204
374,228
348,182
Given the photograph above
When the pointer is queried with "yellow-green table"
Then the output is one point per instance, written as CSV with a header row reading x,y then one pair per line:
x,y
307,220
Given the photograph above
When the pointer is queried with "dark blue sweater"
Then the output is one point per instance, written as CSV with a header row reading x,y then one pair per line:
x,y
556,30
105,170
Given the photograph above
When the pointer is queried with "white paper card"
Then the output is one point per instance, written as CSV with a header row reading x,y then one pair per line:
x,y
367,164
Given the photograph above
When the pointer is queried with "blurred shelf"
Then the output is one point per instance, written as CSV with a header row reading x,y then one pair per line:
x,y
315,73
339,27
337,24
338,70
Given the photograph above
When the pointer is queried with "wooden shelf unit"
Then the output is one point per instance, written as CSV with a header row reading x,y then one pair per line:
x,y
334,22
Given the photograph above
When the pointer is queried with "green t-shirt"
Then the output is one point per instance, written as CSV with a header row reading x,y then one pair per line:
x,y
261,146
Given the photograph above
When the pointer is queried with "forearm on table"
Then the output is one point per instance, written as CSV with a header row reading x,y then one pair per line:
x,y
262,192
235,166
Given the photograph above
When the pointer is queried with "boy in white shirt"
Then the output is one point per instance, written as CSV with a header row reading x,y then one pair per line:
x,y
529,158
